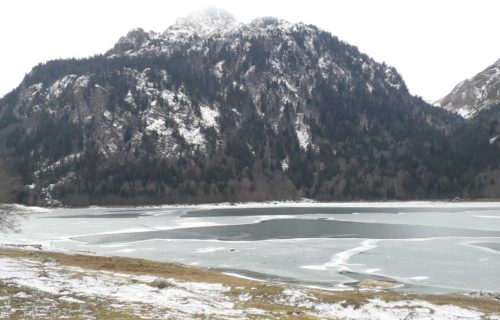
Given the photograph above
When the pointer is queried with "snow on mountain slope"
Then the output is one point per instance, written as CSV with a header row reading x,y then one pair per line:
x,y
475,94
205,23
214,108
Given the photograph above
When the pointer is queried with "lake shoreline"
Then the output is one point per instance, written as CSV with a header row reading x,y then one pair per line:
x,y
270,204
312,243
239,295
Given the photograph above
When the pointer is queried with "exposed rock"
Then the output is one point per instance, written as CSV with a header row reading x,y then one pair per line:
x,y
213,110
473,95
161,283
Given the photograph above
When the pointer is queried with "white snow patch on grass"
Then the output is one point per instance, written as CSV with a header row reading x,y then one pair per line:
x,y
405,309
184,297
71,299
181,299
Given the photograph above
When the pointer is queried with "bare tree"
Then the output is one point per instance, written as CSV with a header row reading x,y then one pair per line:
x,y
9,219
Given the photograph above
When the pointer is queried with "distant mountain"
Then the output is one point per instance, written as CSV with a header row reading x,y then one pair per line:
x,y
217,110
475,143
475,94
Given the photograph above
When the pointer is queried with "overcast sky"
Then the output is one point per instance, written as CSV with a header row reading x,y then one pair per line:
x,y
433,43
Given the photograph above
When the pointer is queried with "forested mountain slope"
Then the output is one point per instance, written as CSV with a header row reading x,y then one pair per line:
x,y
217,110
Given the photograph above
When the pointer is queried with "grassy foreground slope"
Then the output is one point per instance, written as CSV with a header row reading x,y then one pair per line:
x,y
51,285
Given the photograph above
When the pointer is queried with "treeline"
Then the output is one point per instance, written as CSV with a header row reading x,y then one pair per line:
x,y
372,142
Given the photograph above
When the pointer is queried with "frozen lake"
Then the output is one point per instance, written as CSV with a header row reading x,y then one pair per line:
x,y
428,246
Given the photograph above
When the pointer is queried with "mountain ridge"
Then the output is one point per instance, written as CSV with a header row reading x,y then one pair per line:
x,y
264,111
475,94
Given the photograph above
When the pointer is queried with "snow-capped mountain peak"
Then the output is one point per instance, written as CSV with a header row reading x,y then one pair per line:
x,y
215,110
209,15
136,38
474,94
207,22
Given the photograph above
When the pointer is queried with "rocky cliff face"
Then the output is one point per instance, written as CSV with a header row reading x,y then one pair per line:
x,y
217,110
473,95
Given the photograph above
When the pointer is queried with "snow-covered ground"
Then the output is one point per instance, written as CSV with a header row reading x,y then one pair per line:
x,y
76,288
182,299
305,203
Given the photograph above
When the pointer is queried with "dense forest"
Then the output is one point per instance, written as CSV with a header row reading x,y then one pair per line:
x,y
257,115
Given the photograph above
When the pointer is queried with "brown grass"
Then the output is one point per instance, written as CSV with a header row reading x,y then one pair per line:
x,y
357,298
50,307
133,266
262,295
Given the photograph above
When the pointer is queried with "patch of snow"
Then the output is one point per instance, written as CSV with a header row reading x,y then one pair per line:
x,y
373,270
204,23
418,278
46,193
33,209
302,131
82,81
50,167
142,80
465,111
285,164
275,64
324,64
157,125
244,297
405,309
110,148
184,299
124,251
369,87
181,112
289,86
71,299
309,43
192,136
340,260
218,69
129,98
107,115
209,249
187,299
209,116
60,85
249,72
35,88
474,94
391,78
